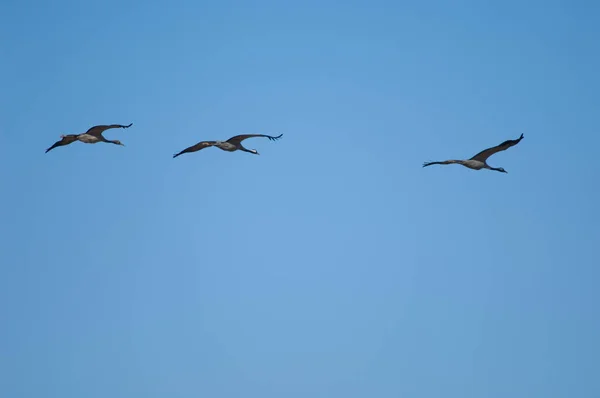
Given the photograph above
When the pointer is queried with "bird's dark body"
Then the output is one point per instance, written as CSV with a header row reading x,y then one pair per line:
x,y
226,146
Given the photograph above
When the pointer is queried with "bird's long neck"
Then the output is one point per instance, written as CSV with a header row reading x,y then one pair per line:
x,y
241,148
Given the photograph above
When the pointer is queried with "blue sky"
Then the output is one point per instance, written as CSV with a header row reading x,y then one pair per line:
x,y
333,264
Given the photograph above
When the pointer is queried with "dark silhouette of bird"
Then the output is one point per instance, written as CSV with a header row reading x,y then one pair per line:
x,y
231,145
479,161
92,136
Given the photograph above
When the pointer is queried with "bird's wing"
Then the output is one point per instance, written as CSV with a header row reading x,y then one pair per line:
x,y
66,140
197,147
486,153
444,162
98,130
239,138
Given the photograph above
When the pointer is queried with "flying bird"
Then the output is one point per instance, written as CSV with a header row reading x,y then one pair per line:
x,y
231,145
92,136
479,161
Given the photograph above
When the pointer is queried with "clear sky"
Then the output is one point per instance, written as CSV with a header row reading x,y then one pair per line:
x,y
333,264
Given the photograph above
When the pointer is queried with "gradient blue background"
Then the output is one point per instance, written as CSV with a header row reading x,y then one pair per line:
x,y
333,264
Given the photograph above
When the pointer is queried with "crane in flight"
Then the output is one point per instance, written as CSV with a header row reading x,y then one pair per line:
x,y
231,145
92,136
479,161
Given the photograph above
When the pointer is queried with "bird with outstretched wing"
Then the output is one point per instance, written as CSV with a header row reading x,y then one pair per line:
x,y
231,145
92,135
